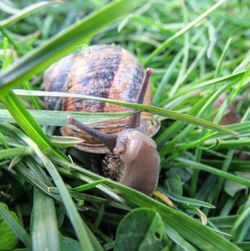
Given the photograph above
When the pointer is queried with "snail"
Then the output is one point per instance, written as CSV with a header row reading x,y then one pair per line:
x,y
109,72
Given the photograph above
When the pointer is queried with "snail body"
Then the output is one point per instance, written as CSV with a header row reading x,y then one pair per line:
x,y
138,153
109,72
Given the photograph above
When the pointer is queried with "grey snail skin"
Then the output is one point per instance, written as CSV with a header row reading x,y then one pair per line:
x,y
109,72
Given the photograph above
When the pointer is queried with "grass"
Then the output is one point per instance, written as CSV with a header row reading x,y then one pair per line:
x,y
50,199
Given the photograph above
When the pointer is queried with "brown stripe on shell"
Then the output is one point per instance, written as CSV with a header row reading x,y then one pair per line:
x,y
92,74
126,85
56,80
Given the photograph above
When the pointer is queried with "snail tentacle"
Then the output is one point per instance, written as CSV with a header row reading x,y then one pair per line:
x,y
106,139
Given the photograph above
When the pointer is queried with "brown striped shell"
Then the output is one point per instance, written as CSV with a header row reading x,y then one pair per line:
x,y
103,71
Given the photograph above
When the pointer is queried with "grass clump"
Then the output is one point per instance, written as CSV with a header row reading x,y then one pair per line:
x,y
200,54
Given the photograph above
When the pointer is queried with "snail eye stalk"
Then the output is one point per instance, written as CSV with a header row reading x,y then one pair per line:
x,y
134,121
106,139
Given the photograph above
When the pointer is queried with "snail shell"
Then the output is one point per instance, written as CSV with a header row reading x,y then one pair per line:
x,y
103,71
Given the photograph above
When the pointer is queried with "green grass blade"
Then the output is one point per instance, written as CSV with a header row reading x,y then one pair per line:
x,y
31,172
64,141
25,12
59,118
186,200
15,226
8,7
211,82
87,240
166,77
222,57
15,152
198,166
153,109
45,234
184,63
87,186
186,246
240,230
244,245
229,144
28,123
